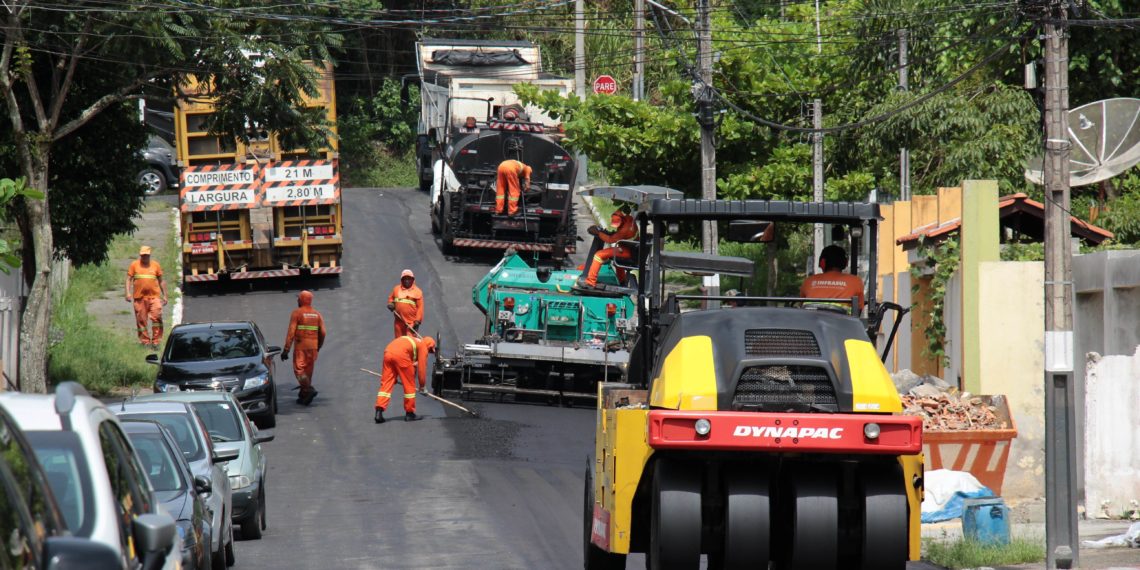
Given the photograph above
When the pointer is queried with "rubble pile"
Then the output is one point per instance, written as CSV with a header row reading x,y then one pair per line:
x,y
942,407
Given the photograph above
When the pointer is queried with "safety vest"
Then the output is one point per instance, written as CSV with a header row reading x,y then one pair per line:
x,y
415,347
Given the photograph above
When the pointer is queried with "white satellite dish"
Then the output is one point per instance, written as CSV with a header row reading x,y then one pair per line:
x,y
1106,142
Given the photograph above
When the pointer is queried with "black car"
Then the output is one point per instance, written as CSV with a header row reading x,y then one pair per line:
x,y
161,170
222,356
34,530
178,491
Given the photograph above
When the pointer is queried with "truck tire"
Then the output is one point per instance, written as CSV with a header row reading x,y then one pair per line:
x,y
675,523
885,525
595,558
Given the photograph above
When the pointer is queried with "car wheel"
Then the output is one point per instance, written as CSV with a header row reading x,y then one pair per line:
x,y
152,180
262,506
230,547
267,420
218,559
253,523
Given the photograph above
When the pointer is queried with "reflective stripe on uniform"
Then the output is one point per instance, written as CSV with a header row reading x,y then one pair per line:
x,y
411,396
415,346
145,276
408,301
383,395
308,328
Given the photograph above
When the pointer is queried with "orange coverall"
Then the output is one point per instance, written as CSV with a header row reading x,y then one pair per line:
x,y
307,328
148,303
625,228
409,307
833,284
508,183
403,358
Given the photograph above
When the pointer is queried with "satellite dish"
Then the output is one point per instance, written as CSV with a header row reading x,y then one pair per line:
x,y
1106,142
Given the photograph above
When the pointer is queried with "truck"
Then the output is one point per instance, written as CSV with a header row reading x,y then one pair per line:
x,y
762,431
256,210
470,119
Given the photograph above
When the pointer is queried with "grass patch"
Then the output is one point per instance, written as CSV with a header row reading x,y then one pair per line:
x,y
381,169
970,554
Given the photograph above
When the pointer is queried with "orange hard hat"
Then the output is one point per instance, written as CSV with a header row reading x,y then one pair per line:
x,y
407,273
428,343
304,298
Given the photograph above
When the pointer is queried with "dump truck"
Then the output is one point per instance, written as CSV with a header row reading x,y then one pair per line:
x,y
471,120
768,432
256,210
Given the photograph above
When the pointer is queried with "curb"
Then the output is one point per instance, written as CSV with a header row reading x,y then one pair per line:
x,y
594,213
176,312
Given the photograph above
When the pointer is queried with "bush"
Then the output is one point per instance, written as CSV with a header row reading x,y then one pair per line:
x,y
377,135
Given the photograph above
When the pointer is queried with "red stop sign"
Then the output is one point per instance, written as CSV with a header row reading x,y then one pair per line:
x,y
605,85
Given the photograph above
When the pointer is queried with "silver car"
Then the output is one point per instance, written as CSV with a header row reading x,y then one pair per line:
x,y
204,459
230,429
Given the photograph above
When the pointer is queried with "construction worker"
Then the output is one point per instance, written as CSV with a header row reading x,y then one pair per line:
x,y
147,291
307,327
833,283
625,227
404,358
407,304
509,173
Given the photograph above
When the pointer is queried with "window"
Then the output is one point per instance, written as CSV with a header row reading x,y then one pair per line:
x,y
212,344
180,426
17,551
62,459
30,482
132,492
221,420
161,467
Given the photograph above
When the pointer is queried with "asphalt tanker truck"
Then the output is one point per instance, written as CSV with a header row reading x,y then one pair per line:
x,y
766,434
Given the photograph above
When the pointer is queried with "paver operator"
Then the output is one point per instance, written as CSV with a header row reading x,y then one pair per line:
x,y
507,184
147,291
307,328
833,283
407,304
625,227
404,358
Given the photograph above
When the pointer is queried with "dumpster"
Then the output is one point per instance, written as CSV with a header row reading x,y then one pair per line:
x,y
981,452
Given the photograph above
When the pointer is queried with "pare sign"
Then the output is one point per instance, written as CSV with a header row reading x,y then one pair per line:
x,y
605,85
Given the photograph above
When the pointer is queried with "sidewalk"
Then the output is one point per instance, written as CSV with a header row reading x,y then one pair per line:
x,y
1027,520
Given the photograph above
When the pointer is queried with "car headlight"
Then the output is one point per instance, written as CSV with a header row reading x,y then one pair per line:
x,y
239,482
165,387
255,381
186,533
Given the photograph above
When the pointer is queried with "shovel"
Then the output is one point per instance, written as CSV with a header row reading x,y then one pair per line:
x,y
432,396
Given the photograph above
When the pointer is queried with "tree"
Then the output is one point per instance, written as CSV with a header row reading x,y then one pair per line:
x,y
50,59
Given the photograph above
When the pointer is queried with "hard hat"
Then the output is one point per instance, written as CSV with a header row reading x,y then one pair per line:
x,y
304,298
407,273
428,343
144,250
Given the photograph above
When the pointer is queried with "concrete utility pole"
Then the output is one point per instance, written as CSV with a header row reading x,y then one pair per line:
x,y
1060,394
580,70
708,132
817,174
904,154
638,50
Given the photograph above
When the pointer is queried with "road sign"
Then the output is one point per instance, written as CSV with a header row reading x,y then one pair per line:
x,y
220,187
605,85
301,183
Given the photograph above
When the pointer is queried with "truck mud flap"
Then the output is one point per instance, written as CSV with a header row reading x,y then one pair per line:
x,y
504,244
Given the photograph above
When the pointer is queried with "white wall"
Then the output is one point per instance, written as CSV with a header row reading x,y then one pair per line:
x,y
1112,432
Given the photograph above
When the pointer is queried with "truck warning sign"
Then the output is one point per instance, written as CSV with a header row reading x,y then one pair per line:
x,y
302,183
220,187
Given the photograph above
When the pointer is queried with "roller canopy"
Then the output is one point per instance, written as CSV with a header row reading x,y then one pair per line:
x,y
770,210
640,195
707,263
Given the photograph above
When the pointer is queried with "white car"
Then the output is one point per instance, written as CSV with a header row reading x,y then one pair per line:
x,y
98,482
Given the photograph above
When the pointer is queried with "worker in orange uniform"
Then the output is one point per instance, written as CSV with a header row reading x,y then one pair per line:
x,y
507,184
404,357
307,328
625,227
407,302
147,291
833,283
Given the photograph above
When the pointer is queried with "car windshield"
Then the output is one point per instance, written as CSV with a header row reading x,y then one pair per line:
x,y
60,455
181,426
160,465
221,420
211,344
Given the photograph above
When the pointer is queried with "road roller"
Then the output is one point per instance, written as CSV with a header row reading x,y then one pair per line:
x,y
754,432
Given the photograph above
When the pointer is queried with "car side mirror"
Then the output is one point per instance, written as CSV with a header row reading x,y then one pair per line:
x,y
224,455
152,359
154,534
263,436
273,351
63,552
202,485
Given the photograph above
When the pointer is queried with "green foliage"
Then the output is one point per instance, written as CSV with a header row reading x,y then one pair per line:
x,y
1122,217
1023,251
377,135
970,554
11,190
942,260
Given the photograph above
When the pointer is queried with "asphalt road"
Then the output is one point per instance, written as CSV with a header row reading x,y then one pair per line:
x,y
500,491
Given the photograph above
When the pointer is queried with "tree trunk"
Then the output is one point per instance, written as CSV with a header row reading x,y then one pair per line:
x,y
773,268
36,320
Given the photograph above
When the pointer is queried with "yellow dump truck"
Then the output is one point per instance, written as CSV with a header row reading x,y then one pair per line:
x,y
256,210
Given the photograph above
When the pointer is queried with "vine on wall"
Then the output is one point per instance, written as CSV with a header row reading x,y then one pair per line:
x,y
940,261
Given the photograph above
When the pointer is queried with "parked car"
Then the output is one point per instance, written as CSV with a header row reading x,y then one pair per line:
x,y
30,520
161,170
194,441
97,480
222,356
180,493
231,429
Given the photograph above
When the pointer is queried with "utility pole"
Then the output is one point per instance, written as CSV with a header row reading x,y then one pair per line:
x,y
708,132
817,173
580,70
638,50
904,153
1060,395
